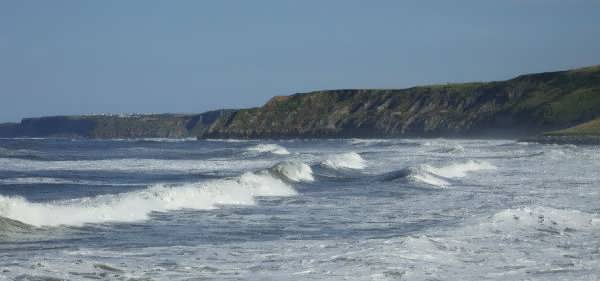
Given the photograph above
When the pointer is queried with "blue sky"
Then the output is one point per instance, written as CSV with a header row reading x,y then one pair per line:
x,y
84,56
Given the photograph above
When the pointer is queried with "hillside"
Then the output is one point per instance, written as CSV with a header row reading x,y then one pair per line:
x,y
590,128
527,105
523,106
114,126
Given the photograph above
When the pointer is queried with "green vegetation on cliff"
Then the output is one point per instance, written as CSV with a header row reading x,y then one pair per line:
x,y
527,105
591,128
115,126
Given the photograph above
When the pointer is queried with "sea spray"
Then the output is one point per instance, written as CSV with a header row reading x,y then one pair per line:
x,y
458,170
269,148
349,160
438,176
137,205
294,171
539,216
134,165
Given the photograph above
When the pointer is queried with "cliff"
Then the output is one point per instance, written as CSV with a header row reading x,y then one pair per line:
x,y
524,106
114,126
527,105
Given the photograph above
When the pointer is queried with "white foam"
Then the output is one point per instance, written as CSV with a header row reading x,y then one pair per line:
x,y
456,148
40,180
458,170
270,148
132,164
47,180
428,178
294,171
137,205
18,152
544,216
350,160
229,140
368,141
438,176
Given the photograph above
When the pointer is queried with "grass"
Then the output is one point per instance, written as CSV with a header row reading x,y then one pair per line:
x,y
590,128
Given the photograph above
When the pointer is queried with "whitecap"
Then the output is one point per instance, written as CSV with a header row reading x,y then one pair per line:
x,y
269,148
137,205
133,164
40,180
438,176
294,171
538,216
349,160
368,141
458,170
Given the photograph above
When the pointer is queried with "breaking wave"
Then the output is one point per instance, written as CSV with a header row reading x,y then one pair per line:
x,y
350,160
9,226
138,205
417,175
294,171
458,170
437,176
269,148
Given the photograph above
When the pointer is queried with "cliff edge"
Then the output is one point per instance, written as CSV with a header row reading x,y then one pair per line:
x,y
525,106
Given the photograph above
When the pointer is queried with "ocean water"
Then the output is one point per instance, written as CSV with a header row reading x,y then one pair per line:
x,y
353,209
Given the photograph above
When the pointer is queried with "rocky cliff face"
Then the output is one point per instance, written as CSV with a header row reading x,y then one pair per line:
x,y
112,126
523,106
526,105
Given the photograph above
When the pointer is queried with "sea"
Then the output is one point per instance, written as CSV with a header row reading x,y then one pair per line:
x,y
298,209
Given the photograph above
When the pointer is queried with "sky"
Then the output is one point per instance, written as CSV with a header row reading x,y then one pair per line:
x,y
143,56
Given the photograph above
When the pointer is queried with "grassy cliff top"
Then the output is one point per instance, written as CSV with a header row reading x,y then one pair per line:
x,y
590,128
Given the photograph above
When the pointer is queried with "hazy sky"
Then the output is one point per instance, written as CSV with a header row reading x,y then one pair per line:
x,y
72,57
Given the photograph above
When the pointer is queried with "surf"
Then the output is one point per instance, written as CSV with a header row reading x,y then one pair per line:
x,y
269,148
138,205
349,160
437,176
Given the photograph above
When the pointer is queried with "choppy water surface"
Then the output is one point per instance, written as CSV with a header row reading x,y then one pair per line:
x,y
298,210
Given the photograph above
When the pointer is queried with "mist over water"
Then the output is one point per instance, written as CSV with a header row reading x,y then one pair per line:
x,y
431,209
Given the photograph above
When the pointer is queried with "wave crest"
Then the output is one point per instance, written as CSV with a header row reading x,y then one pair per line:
x,y
458,170
9,226
350,160
137,205
294,171
269,148
438,176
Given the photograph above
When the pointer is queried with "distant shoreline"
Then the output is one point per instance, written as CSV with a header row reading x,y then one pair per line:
x,y
541,106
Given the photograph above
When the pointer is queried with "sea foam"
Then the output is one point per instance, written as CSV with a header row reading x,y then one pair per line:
x,y
294,171
269,148
349,160
438,176
137,205
458,170
134,165
539,216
